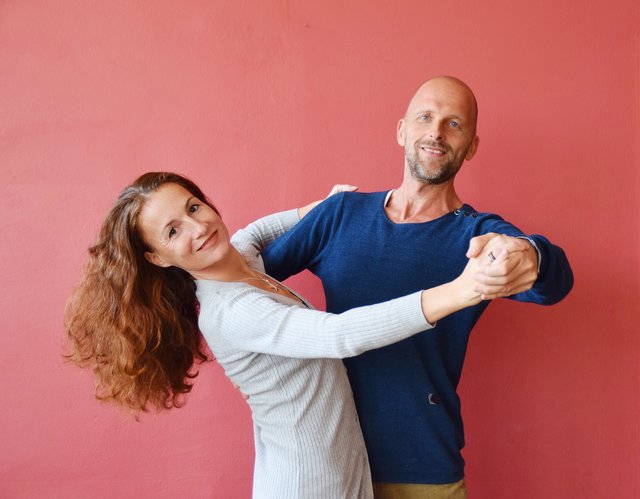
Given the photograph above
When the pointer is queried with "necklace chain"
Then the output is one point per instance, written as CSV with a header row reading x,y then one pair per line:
x,y
257,277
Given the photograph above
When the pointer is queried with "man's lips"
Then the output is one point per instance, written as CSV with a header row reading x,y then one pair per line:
x,y
210,241
433,151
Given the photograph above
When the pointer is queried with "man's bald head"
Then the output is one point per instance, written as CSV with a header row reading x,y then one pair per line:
x,y
452,87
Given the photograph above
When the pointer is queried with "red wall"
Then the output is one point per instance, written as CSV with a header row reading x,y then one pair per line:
x,y
267,104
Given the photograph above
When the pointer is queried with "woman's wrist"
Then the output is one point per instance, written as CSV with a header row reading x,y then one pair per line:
x,y
302,211
446,299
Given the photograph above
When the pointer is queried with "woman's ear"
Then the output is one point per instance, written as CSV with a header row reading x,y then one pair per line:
x,y
155,259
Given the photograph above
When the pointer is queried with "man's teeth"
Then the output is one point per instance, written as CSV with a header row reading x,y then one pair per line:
x,y
432,151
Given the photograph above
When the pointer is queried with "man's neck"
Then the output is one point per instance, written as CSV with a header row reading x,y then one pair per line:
x,y
415,202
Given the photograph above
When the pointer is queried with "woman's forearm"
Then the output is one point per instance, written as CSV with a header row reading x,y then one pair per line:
x,y
447,298
302,211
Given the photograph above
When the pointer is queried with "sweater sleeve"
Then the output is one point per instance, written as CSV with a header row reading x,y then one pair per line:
x,y
256,321
256,236
304,246
555,278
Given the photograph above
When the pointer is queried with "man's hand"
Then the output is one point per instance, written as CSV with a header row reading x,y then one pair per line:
x,y
508,265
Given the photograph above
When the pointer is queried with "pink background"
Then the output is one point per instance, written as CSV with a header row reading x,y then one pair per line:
x,y
267,103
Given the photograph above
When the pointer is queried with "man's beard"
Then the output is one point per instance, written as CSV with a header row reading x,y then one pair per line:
x,y
446,172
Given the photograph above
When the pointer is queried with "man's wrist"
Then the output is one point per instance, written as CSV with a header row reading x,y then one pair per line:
x,y
535,247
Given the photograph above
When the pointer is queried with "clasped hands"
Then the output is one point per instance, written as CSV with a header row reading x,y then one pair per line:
x,y
501,265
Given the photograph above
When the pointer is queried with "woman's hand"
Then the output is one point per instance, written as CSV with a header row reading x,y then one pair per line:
x,y
478,281
469,288
509,265
342,188
335,190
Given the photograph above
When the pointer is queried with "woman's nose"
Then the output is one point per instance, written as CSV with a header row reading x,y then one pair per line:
x,y
199,228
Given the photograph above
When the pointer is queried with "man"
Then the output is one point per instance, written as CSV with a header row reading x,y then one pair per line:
x,y
368,248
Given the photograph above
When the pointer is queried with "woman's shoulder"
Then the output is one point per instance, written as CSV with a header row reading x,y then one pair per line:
x,y
218,297
219,302
215,293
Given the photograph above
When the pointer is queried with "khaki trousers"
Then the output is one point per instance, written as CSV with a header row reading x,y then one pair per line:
x,y
457,490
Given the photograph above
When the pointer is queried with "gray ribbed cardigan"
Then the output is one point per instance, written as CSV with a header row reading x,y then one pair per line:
x,y
285,358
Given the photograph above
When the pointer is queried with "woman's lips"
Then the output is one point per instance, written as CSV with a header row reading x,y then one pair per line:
x,y
210,241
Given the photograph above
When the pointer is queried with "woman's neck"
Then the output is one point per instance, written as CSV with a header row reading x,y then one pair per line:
x,y
233,268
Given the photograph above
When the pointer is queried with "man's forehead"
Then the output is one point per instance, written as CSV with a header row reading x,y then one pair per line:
x,y
451,108
443,93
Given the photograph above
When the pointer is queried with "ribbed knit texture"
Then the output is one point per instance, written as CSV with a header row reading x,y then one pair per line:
x,y
308,441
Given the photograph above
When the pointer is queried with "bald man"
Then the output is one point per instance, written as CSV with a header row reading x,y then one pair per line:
x,y
371,247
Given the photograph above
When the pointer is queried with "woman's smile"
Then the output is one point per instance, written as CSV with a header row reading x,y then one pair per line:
x,y
210,241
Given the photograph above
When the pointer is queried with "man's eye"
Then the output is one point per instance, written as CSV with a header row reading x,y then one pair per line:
x,y
454,124
424,117
172,232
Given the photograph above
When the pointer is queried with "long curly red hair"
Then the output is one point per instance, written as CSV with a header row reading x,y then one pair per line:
x,y
133,323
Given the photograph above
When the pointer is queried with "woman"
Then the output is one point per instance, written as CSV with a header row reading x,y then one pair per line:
x,y
164,269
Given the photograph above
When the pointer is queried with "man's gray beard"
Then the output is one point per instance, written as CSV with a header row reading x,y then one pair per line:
x,y
446,172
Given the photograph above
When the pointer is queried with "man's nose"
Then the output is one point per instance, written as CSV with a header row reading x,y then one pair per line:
x,y
435,130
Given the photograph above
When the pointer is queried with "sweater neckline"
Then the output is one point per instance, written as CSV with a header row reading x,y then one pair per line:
x,y
463,208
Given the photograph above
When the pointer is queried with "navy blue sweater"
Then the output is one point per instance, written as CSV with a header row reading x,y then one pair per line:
x,y
405,393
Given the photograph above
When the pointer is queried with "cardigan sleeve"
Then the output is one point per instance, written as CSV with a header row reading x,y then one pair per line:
x,y
256,236
252,320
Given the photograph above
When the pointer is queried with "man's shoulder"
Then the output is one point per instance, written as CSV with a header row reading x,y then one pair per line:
x,y
353,200
348,203
468,211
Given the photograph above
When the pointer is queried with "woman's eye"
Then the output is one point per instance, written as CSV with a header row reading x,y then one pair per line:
x,y
172,232
193,208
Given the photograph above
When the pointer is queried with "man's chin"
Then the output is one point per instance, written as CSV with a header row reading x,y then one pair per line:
x,y
431,176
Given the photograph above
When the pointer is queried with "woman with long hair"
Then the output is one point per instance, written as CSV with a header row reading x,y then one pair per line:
x,y
164,273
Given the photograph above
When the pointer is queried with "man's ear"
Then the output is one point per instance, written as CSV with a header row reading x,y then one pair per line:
x,y
400,133
155,259
471,152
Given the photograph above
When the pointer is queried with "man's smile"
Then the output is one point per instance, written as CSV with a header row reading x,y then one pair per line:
x,y
433,151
